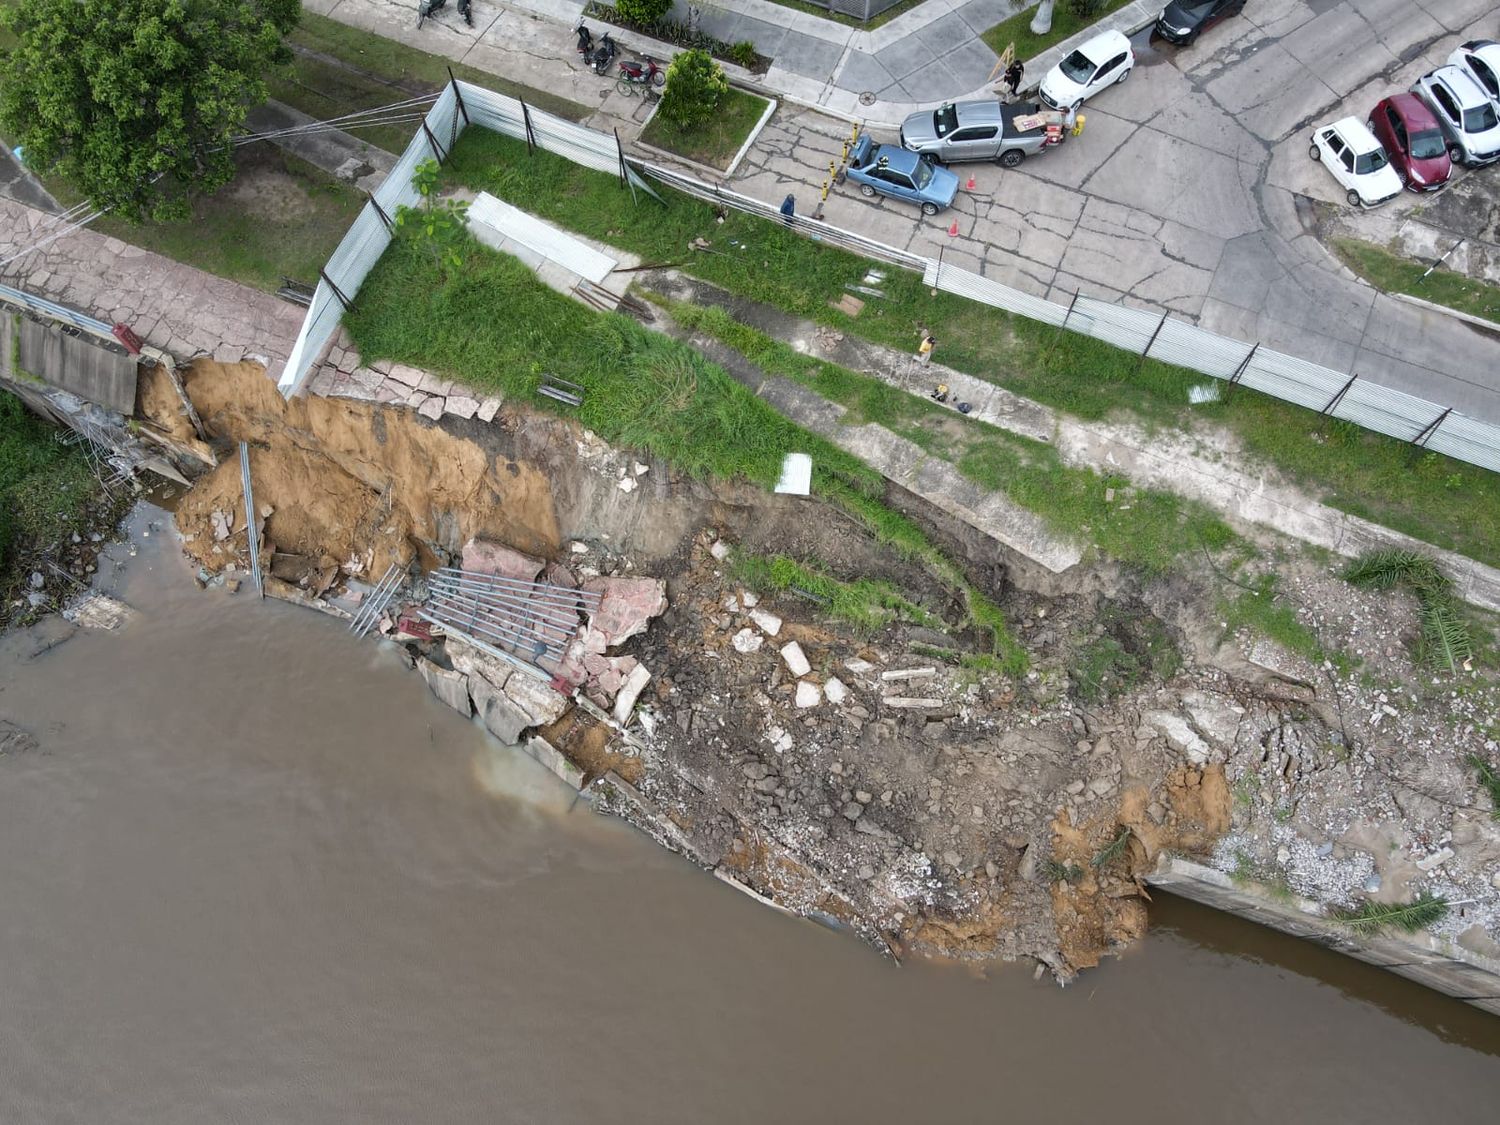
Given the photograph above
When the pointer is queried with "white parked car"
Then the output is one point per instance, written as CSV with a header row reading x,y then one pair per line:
x,y
1465,113
1350,151
1102,61
1480,60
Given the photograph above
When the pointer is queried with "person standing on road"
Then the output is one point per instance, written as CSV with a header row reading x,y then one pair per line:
x,y
1013,75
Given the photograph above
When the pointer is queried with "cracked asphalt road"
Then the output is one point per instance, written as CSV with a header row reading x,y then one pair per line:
x,y
1190,190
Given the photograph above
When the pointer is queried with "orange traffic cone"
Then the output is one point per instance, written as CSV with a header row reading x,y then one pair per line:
x,y
970,185
953,230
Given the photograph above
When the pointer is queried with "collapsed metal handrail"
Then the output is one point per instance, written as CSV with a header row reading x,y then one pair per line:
x,y
252,532
375,604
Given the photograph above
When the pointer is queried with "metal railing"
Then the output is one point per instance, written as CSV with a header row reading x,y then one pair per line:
x,y
252,529
1335,394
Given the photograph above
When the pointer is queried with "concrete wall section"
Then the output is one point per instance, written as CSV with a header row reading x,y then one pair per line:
x,y
1443,966
89,368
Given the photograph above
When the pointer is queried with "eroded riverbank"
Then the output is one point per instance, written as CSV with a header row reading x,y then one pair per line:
x,y
256,871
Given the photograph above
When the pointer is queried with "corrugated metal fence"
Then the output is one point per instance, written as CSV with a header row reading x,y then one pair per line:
x,y
1337,394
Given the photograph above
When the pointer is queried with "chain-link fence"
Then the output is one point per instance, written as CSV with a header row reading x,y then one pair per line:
x,y
1333,393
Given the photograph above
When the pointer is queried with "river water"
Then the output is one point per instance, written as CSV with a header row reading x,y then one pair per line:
x,y
255,873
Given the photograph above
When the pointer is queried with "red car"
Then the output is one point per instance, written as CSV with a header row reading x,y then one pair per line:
x,y
1411,137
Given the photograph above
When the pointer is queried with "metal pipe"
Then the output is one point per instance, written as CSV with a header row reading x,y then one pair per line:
x,y
500,633
517,662
553,611
522,631
542,588
508,614
561,600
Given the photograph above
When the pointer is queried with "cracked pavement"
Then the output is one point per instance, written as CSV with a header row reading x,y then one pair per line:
x,y
1190,190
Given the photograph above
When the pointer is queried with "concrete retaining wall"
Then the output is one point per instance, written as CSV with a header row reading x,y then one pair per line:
x,y
89,368
1438,964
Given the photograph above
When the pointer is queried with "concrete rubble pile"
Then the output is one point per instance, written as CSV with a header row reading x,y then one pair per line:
x,y
510,700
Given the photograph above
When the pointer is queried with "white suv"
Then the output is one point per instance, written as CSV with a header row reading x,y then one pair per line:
x,y
1466,114
1350,151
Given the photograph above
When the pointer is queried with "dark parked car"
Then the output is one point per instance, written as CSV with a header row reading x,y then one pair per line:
x,y
1183,21
1413,140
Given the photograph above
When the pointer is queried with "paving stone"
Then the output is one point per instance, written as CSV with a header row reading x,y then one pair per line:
x,y
461,405
488,409
435,386
432,408
409,376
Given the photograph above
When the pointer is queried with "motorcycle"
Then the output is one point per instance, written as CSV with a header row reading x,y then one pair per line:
x,y
427,8
647,72
585,43
605,54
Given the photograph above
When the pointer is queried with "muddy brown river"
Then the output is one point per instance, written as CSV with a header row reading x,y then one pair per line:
x,y
254,872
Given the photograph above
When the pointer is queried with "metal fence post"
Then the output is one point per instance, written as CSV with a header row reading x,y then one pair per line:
x,y
1061,327
1239,372
620,149
1421,440
530,136
1338,398
459,98
379,210
436,148
337,292
1159,325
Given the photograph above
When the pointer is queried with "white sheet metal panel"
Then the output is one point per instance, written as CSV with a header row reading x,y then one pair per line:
x,y
543,238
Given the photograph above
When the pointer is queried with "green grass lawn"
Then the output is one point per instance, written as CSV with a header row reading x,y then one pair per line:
x,y
1017,30
339,69
715,141
279,217
45,492
1392,273
1444,502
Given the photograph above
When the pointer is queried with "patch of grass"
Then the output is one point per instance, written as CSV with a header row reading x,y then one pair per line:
x,y
1055,871
1489,779
1112,850
279,217
850,21
716,141
1017,29
1392,273
866,604
1260,611
1444,502
1445,640
339,69
1104,669
1372,917
45,492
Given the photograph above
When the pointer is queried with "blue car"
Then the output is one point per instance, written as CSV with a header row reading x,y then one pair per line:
x,y
901,174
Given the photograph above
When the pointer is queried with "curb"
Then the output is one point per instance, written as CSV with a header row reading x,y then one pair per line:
x,y
1430,306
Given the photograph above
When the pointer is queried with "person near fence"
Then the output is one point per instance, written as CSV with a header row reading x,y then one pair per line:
x,y
788,208
924,349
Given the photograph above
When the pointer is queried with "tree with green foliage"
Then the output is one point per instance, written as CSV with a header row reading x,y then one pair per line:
x,y
643,12
135,102
695,86
438,224
1085,9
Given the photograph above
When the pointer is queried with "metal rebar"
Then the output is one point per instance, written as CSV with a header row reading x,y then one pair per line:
x,y
479,612
520,612
500,579
252,535
565,595
557,611
500,631
509,658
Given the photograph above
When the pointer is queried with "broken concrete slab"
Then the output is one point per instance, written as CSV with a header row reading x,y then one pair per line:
x,y
808,694
911,702
522,703
630,691
909,674
553,758
627,605
488,408
1179,735
768,623
1217,719
488,557
462,406
450,686
796,659
406,376
478,665
835,690
432,408
747,640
